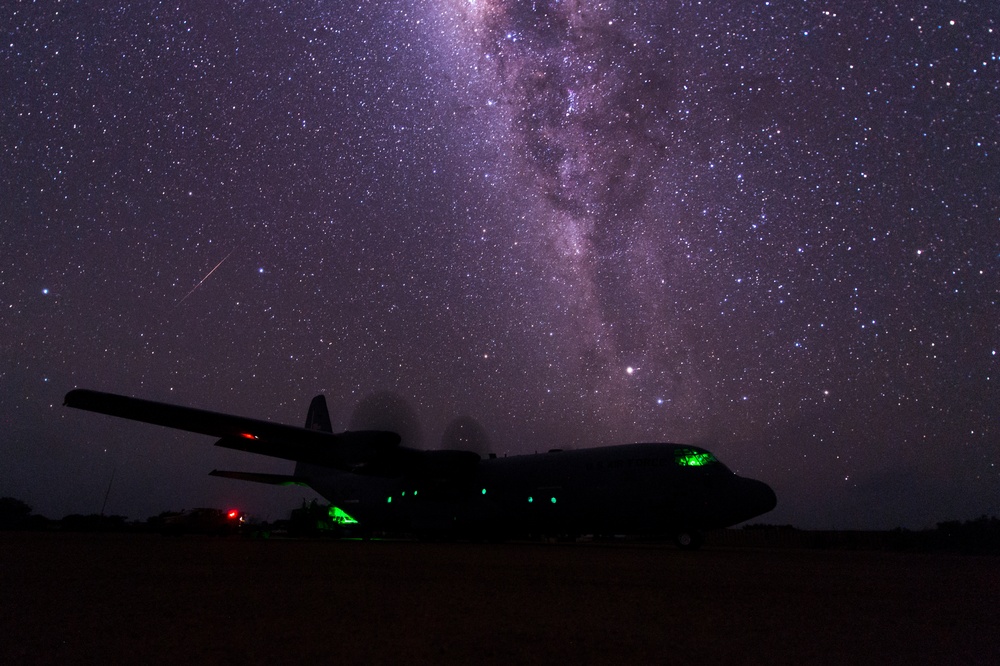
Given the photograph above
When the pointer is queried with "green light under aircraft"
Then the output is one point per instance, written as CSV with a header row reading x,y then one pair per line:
x,y
341,517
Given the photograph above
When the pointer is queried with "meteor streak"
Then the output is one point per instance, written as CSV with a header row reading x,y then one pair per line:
x,y
208,275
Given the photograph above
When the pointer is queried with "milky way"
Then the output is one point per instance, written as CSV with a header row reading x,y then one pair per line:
x,y
771,229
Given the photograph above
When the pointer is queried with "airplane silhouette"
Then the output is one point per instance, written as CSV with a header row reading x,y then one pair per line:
x,y
650,489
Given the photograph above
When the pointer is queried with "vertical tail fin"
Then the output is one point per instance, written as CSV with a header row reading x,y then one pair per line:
x,y
318,417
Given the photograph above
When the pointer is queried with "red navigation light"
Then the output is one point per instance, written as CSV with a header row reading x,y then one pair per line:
x,y
247,435
233,514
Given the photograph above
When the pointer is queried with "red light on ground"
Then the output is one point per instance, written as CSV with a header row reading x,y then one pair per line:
x,y
233,513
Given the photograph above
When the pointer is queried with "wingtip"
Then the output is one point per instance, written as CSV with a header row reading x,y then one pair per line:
x,y
72,397
81,398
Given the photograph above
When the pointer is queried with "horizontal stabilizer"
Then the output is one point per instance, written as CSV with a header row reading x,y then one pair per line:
x,y
245,434
258,477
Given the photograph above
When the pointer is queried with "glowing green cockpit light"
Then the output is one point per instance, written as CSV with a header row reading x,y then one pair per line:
x,y
341,517
692,458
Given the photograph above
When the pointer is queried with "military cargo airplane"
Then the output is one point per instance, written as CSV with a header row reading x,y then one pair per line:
x,y
378,485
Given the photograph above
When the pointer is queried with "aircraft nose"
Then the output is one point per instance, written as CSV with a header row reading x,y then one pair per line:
x,y
760,497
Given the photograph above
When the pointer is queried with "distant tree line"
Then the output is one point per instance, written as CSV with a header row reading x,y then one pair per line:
x,y
978,536
18,515
981,535
310,520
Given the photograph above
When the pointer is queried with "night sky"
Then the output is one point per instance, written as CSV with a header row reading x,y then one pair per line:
x,y
771,229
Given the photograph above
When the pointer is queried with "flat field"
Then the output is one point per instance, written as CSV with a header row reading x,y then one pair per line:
x,y
143,598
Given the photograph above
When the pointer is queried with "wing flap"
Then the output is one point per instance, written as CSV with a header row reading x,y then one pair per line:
x,y
260,477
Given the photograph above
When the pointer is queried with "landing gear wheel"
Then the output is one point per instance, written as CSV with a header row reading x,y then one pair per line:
x,y
689,540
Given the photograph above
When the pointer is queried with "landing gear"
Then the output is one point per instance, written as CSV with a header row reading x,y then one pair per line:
x,y
689,540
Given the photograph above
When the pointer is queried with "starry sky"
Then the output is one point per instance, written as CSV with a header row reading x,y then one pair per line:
x,y
771,229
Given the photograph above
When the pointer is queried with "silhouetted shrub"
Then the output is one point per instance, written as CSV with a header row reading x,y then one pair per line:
x,y
13,513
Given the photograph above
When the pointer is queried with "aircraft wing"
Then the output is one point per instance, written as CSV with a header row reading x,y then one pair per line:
x,y
237,432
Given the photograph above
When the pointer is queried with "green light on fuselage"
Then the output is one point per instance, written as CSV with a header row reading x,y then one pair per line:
x,y
553,500
389,500
484,491
530,500
692,458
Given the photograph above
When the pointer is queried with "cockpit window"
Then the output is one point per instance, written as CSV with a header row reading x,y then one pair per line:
x,y
693,458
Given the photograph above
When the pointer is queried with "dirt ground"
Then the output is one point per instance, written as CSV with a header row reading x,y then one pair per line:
x,y
143,598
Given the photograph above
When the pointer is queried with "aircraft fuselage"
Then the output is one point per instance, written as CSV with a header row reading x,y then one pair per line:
x,y
649,489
